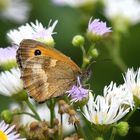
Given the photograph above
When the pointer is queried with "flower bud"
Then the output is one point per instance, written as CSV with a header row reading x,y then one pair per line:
x,y
122,128
63,107
78,41
7,116
94,53
86,60
73,118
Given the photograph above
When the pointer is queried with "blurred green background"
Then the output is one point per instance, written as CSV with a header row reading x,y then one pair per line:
x,y
103,71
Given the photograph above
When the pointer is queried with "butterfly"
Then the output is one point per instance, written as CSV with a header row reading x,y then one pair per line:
x,y
46,72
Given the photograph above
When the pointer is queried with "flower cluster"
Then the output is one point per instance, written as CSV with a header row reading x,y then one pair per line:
x,y
100,110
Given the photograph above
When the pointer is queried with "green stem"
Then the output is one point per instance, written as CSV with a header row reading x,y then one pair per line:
x,y
81,131
25,113
112,137
84,51
33,109
76,129
84,57
114,52
131,113
51,105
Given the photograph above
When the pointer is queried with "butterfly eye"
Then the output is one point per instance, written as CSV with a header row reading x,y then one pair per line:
x,y
37,52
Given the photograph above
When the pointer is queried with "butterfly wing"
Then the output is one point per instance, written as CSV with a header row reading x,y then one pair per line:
x,y
47,75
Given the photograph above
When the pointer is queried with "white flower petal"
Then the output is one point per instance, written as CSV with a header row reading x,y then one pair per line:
x,y
10,82
73,3
16,10
129,9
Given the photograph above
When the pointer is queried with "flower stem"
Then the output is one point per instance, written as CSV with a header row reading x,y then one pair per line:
x,y
80,131
61,127
112,137
114,52
25,113
131,113
51,105
33,109
84,57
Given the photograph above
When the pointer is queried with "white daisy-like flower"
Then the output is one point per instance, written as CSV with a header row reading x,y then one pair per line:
x,y
108,109
33,31
10,82
8,133
74,3
127,9
132,82
8,54
16,10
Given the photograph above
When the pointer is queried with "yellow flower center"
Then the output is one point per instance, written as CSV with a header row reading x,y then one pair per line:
x,y
96,119
136,90
3,136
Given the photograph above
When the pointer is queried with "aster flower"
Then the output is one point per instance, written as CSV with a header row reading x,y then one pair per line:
x,y
126,9
16,10
74,3
33,31
109,108
7,132
97,27
132,82
8,55
77,92
10,82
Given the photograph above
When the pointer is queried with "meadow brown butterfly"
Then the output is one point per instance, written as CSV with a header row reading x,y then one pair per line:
x,y
45,71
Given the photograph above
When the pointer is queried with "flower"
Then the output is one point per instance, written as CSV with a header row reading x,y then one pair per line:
x,y
10,82
77,92
132,82
73,3
33,31
110,107
97,27
128,9
8,54
7,132
16,10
